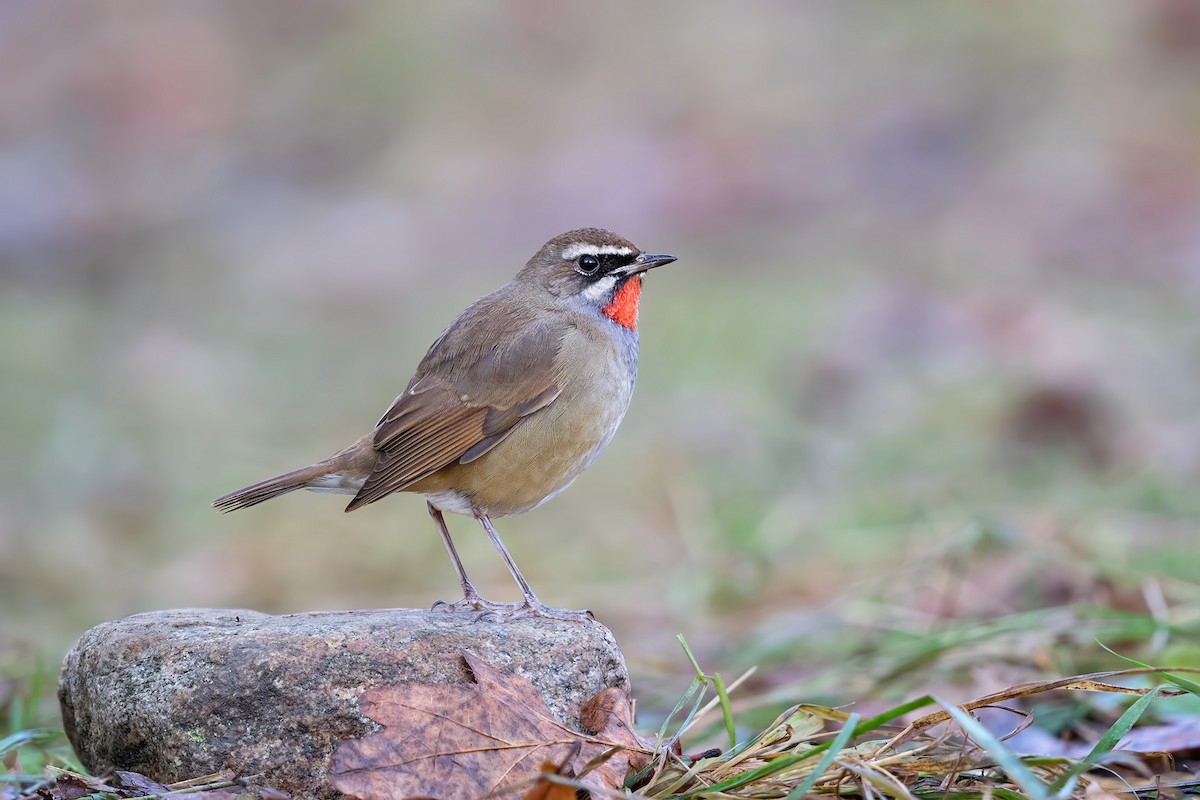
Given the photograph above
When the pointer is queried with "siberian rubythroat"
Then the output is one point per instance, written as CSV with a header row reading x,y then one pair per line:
x,y
511,403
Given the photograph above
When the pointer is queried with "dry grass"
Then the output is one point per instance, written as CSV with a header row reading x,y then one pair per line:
x,y
944,753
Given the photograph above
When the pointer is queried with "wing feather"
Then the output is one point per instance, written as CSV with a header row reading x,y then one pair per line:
x,y
464,400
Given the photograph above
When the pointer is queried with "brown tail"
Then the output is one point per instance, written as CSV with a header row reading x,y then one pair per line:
x,y
352,465
270,488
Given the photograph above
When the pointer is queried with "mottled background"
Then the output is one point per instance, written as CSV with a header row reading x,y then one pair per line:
x,y
930,350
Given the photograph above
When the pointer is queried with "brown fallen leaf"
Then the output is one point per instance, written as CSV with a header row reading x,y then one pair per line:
x,y
131,784
470,740
1176,735
609,716
546,789
68,787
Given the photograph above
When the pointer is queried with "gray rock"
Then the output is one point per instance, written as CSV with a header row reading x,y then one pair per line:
x,y
181,694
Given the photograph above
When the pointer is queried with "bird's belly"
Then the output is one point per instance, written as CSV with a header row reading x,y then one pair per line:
x,y
451,502
541,457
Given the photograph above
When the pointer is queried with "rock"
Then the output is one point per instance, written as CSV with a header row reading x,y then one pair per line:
x,y
180,694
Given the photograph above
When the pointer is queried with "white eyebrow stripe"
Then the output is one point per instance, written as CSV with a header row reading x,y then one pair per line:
x,y
578,249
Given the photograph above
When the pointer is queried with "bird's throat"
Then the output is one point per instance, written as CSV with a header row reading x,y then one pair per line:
x,y
623,309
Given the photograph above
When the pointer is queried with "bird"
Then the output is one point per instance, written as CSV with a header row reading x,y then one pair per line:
x,y
515,398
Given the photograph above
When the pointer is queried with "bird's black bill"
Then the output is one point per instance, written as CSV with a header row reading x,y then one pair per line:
x,y
647,261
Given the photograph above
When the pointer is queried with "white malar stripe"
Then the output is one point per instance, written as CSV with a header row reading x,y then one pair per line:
x,y
601,289
574,251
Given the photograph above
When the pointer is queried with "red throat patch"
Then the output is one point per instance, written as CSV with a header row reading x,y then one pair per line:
x,y
623,309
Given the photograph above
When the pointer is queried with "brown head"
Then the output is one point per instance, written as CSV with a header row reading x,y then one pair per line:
x,y
595,270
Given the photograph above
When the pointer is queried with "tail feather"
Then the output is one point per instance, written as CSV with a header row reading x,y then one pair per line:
x,y
268,489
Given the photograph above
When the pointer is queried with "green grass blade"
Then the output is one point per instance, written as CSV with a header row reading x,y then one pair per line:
x,y
1007,794
696,690
783,762
1064,784
21,738
1182,683
1006,759
17,718
688,652
726,710
37,683
838,745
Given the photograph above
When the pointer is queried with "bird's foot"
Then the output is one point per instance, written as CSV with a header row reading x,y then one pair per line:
x,y
492,610
536,608
473,602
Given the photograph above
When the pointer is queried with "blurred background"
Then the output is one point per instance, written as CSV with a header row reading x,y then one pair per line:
x,y
928,359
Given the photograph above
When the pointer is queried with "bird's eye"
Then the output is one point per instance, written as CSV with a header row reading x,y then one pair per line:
x,y
589,265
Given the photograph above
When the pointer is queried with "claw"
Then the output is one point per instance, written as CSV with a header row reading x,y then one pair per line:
x,y
539,609
492,611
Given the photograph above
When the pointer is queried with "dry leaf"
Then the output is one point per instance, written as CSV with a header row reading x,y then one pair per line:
x,y
1178,735
69,787
546,789
598,713
468,740
137,784
1093,790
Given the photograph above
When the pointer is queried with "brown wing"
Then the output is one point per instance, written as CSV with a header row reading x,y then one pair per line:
x,y
484,374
